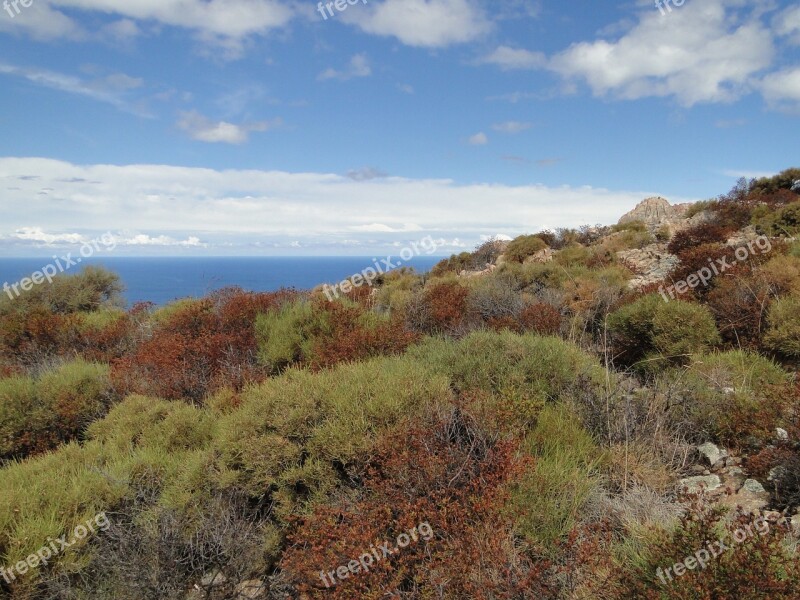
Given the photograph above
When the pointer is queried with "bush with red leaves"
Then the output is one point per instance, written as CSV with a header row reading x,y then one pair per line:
x,y
705,233
756,567
351,336
541,318
198,349
448,475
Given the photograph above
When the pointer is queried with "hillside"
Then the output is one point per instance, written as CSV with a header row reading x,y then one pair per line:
x,y
572,414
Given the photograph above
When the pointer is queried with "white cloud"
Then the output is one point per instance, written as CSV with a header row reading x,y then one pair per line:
x,y
479,139
143,239
36,234
514,58
405,88
782,88
422,23
787,24
111,89
203,129
700,53
226,208
512,127
358,67
226,18
738,174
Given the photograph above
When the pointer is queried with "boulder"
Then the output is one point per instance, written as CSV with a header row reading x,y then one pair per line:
x,y
695,484
781,435
711,453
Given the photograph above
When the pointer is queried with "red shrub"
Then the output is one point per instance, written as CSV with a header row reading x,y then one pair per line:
x,y
705,233
352,337
445,305
447,476
205,346
541,318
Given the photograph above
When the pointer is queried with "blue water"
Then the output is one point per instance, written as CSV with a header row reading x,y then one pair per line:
x,y
161,280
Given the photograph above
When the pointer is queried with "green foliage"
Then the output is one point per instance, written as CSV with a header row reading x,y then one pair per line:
x,y
784,222
681,329
731,397
455,264
783,335
650,329
86,291
524,372
524,246
283,334
698,207
637,226
782,181
550,496
37,415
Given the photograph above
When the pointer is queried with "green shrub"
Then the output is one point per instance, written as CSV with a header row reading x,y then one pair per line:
x,y
284,335
681,329
734,397
638,226
781,223
652,329
549,499
36,416
522,371
783,334
524,246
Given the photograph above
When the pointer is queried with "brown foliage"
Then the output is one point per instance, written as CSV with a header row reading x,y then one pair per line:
x,y
199,349
447,475
350,338
541,318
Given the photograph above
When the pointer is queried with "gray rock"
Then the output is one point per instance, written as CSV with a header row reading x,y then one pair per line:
x,y
752,486
777,473
781,435
695,484
711,453
796,186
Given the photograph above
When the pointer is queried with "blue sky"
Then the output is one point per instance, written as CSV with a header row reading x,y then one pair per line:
x,y
259,127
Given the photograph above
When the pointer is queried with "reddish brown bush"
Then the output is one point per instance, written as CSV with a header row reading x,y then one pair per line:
x,y
758,566
740,306
200,348
351,336
541,318
447,475
705,233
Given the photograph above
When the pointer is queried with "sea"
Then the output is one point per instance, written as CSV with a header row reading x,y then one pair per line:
x,y
162,280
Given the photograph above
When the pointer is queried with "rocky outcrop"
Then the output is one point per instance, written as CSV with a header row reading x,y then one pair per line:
x,y
542,256
657,213
652,212
651,264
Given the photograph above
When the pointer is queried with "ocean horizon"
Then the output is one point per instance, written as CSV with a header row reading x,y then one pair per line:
x,y
161,280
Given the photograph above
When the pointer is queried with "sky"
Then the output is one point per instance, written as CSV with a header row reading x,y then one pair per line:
x,y
282,127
